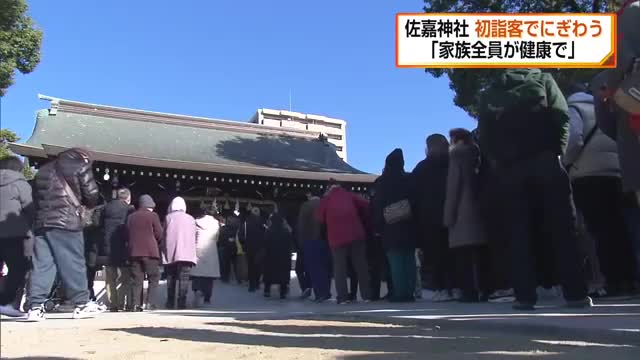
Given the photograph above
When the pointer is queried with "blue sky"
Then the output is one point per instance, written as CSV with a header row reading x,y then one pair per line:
x,y
225,59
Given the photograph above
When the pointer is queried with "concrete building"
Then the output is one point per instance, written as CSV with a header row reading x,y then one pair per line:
x,y
334,129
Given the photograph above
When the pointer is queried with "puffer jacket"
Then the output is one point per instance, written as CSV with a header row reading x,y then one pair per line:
x,y
54,208
598,157
16,205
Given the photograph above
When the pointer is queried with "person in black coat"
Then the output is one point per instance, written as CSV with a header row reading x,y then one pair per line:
x,y
278,254
16,239
62,187
228,249
394,220
252,239
93,248
430,179
376,257
115,245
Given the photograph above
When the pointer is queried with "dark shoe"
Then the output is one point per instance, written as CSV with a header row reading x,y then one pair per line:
x,y
182,303
587,302
523,306
252,289
322,299
267,294
284,291
305,294
138,308
344,302
469,297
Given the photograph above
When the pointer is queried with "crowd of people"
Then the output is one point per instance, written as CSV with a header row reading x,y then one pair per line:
x,y
545,192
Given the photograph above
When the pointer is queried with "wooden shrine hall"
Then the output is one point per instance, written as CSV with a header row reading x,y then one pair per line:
x,y
219,164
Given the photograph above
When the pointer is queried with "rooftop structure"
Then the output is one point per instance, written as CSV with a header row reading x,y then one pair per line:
x,y
161,140
333,129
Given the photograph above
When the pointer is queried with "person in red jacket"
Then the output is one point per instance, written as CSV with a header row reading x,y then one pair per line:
x,y
342,212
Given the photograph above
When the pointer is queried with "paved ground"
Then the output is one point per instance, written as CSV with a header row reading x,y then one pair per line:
x,y
246,326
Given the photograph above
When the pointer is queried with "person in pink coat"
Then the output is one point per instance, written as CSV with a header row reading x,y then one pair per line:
x,y
180,252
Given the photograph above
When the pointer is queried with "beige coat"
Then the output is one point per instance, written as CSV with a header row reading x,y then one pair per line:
x,y
461,211
207,230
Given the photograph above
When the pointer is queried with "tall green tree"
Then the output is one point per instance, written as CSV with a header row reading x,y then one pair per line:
x,y
7,136
20,42
468,84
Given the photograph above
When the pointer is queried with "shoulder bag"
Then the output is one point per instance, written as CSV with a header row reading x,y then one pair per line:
x,y
82,212
396,212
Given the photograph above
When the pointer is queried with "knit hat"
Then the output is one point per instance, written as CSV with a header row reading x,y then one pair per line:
x,y
146,201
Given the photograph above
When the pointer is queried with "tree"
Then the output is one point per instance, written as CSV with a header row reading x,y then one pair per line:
x,y
7,136
20,42
468,84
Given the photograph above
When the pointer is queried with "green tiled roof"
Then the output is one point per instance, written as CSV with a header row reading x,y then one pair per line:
x,y
185,141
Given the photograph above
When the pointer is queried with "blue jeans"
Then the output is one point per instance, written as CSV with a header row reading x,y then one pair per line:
x,y
62,252
318,266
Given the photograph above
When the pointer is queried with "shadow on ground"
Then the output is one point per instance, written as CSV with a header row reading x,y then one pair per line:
x,y
40,358
384,341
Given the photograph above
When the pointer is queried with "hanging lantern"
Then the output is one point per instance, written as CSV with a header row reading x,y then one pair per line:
x,y
106,176
227,206
203,205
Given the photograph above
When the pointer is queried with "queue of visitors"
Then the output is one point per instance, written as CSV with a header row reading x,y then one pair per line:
x,y
545,192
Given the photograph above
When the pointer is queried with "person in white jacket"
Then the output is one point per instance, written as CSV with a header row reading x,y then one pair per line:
x,y
592,161
208,267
